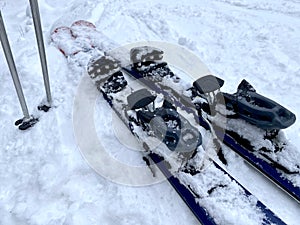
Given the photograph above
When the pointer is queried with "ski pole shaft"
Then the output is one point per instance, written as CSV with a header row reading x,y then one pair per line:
x,y
12,68
40,41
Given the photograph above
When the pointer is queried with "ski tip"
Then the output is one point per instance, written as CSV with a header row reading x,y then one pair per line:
x,y
82,28
61,33
83,23
60,36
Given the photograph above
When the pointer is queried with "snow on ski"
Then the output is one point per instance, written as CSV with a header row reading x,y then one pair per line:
x,y
110,84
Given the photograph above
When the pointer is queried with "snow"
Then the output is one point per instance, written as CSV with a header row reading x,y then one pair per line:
x,y
45,179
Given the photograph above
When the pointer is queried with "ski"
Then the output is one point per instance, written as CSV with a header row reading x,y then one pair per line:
x,y
153,118
265,118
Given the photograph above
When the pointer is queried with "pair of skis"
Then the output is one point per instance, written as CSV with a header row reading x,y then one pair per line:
x,y
119,91
152,115
264,118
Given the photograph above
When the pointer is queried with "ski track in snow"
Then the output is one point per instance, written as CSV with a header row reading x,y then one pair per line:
x,y
45,180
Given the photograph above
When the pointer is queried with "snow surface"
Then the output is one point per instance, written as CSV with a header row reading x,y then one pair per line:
x,y
44,178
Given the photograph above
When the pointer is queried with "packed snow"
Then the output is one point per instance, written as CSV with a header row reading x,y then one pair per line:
x,y
44,177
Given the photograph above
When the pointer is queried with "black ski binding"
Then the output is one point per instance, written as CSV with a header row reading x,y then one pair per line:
x,y
247,104
165,122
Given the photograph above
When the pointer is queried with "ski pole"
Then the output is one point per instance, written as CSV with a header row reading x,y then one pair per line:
x,y
40,41
12,68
